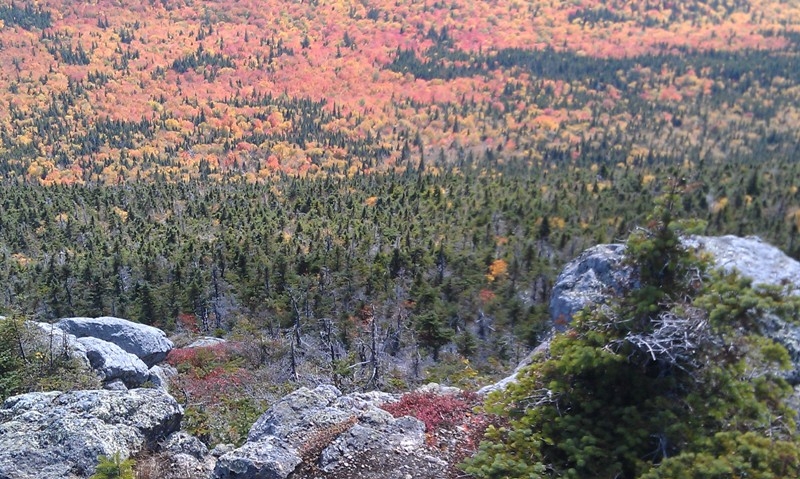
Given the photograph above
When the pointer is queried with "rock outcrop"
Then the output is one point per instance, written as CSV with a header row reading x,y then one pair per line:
x,y
333,434
118,350
183,456
752,257
590,277
265,459
205,342
49,337
145,342
57,434
112,362
159,376
587,280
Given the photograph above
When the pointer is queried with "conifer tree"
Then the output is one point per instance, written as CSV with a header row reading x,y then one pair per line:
x,y
653,384
114,467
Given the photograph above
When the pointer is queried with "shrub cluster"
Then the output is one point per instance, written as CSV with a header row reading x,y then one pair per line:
x,y
436,411
114,467
215,387
668,380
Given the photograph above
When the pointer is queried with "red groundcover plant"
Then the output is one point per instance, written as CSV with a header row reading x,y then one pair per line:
x,y
455,423
209,373
432,409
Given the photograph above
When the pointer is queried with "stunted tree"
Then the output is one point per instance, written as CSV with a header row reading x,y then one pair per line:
x,y
429,318
666,380
114,467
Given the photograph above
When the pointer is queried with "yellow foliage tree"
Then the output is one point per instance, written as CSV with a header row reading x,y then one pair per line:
x,y
497,269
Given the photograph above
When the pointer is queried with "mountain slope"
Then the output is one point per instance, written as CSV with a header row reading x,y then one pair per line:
x,y
106,91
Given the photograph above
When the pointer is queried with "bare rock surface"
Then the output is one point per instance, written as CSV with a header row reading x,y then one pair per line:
x,y
112,362
184,456
145,342
57,434
206,342
587,280
268,458
750,256
322,433
49,337
160,376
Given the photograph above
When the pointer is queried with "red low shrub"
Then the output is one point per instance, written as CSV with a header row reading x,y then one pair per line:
x,y
434,410
202,357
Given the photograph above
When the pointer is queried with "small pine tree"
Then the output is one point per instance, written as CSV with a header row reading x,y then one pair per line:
x,y
432,332
114,467
11,362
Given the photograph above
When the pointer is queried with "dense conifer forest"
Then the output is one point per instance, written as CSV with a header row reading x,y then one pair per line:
x,y
472,250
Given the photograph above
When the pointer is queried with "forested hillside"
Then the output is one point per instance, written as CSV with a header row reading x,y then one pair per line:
x,y
468,254
108,92
372,194
382,280
312,166
219,159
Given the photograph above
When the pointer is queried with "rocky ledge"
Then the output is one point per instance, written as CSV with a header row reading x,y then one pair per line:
x,y
123,354
147,343
320,433
57,434
590,277
309,434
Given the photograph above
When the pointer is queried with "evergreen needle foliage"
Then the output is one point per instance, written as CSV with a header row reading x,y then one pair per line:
x,y
667,380
114,467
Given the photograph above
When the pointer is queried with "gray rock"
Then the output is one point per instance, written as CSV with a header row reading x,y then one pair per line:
x,y
182,442
184,466
600,270
269,458
438,389
222,449
291,417
159,376
181,456
146,342
50,337
377,430
364,401
206,342
587,280
322,426
57,434
112,362
590,277
115,385
751,256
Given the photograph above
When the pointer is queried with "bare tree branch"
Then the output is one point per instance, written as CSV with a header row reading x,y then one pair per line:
x,y
673,339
